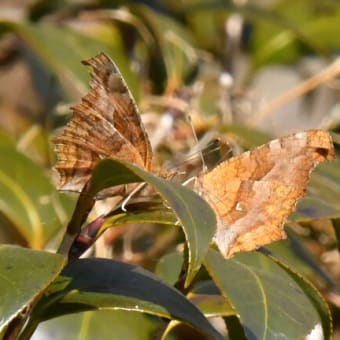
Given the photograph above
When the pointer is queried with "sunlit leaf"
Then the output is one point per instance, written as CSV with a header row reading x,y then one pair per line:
x,y
101,324
24,275
28,198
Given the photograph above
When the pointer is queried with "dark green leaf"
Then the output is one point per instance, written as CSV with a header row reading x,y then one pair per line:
x,y
99,283
293,253
315,297
269,302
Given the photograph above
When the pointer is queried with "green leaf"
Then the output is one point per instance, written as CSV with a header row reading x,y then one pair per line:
x,y
101,324
293,253
323,194
89,284
143,214
195,215
207,36
27,197
323,28
317,21
174,42
62,49
210,302
278,36
24,275
315,297
169,267
269,302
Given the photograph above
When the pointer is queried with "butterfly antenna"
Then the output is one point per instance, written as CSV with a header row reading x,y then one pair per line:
x,y
130,195
204,166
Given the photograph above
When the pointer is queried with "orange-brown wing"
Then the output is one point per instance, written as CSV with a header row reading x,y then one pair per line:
x,y
105,124
253,194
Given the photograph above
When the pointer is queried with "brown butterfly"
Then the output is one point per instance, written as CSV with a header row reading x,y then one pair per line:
x,y
105,124
251,194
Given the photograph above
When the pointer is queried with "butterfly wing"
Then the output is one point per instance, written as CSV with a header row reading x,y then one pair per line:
x,y
105,124
253,194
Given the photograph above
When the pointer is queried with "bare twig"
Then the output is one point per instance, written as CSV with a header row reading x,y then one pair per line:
x,y
325,75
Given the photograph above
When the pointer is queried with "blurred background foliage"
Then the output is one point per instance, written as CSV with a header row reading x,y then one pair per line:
x,y
245,71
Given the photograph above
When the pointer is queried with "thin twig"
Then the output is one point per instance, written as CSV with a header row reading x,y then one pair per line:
x,y
325,75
